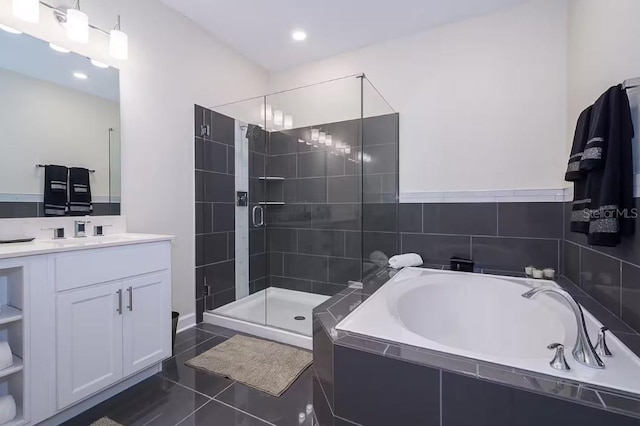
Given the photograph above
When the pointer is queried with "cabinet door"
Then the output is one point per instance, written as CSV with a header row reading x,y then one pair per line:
x,y
89,341
147,321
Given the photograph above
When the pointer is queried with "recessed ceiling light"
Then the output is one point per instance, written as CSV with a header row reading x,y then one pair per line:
x,y
9,29
58,48
80,75
99,64
298,35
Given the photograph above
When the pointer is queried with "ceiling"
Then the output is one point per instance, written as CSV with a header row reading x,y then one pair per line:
x,y
33,57
261,30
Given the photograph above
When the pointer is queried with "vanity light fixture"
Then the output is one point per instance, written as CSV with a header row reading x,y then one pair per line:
x,y
119,42
58,48
266,112
315,135
77,24
278,118
322,137
9,29
26,10
80,75
299,35
99,64
288,122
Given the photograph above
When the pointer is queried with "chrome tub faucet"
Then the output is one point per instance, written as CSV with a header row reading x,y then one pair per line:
x,y
583,351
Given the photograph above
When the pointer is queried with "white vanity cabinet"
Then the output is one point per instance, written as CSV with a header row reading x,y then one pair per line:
x,y
85,318
108,331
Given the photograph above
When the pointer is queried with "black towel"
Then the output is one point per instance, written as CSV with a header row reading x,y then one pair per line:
x,y
581,201
608,162
79,192
55,190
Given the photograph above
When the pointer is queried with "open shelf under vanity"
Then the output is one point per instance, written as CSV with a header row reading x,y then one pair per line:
x,y
12,331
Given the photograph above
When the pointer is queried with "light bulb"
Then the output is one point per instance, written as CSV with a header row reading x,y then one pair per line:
x,y
278,117
322,137
328,140
27,10
288,122
77,26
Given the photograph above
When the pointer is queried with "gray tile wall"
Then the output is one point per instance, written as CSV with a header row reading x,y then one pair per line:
x,y
497,236
317,239
16,210
215,210
611,275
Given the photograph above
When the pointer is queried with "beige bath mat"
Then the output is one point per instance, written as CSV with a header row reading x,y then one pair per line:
x,y
105,421
267,366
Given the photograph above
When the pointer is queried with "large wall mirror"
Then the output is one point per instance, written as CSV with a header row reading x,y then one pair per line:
x,y
59,131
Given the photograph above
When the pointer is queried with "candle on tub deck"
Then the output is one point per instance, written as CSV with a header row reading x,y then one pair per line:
x,y
549,273
537,273
529,270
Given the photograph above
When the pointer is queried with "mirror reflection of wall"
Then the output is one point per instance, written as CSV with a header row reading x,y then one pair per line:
x,y
57,108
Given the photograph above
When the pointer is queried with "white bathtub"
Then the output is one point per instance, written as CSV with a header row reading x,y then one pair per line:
x,y
484,317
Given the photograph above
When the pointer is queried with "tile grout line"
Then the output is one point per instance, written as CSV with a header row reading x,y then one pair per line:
x,y
198,409
219,393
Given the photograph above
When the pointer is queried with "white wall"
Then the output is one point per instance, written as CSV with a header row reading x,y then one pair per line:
x,y
43,123
603,50
482,102
173,64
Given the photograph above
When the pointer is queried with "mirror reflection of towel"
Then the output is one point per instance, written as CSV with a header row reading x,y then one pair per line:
x,y
55,190
80,203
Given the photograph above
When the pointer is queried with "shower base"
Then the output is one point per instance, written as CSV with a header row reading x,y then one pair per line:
x,y
274,313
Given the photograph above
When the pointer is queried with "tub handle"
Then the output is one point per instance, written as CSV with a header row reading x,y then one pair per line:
x,y
601,347
559,362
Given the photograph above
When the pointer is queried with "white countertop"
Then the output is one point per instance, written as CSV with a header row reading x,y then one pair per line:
x,y
41,246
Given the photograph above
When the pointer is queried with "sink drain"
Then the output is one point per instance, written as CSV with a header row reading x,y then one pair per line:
x,y
299,318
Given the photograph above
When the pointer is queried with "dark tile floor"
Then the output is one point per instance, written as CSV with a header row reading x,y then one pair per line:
x,y
180,395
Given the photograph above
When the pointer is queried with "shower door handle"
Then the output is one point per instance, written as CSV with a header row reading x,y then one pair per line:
x,y
257,223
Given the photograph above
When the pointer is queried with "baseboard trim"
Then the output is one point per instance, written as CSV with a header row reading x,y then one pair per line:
x,y
186,322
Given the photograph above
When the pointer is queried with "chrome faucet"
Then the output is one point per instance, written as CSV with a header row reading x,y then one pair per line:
x,y
583,350
80,228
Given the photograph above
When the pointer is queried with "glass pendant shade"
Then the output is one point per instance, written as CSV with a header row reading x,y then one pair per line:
x,y
266,112
322,137
315,135
288,122
328,140
119,45
77,26
26,10
278,118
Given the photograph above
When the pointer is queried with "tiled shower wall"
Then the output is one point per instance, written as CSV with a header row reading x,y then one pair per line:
x,y
215,210
316,238
611,275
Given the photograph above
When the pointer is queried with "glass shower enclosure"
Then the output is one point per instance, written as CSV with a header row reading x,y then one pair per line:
x,y
316,192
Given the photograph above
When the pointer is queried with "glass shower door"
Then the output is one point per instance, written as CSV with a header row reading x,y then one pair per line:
x,y
244,279
314,193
